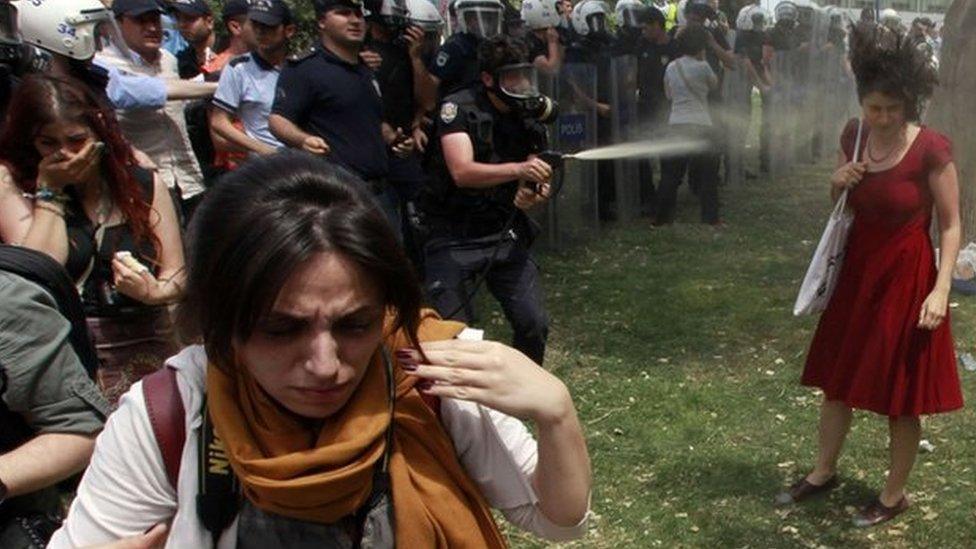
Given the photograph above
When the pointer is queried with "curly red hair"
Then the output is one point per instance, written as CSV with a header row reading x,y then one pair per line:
x,y
44,99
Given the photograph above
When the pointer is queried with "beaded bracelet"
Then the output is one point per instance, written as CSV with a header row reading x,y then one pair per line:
x,y
47,194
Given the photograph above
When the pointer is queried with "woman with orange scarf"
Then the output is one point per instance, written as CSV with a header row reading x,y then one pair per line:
x,y
349,416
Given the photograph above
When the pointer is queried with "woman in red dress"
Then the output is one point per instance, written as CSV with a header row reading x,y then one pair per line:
x,y
884,342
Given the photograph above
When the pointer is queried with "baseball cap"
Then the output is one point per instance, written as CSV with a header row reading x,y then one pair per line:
x,y
233,8
269,12
135,8
190,7
322,6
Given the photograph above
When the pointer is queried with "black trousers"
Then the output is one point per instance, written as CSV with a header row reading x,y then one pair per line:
x,y
702,170
451,267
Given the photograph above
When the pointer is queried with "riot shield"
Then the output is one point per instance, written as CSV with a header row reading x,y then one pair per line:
x,y
736,116
624,128
571,215
780,124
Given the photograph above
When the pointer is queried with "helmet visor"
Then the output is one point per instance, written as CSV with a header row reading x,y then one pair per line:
x,y
107,30
519,81
482,22
597,22
632,18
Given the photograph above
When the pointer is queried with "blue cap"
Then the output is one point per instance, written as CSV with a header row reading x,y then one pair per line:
x,y
190,7
269,12
134,8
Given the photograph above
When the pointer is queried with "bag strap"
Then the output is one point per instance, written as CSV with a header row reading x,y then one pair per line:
x,y
691,90
219,491
167,417
842,200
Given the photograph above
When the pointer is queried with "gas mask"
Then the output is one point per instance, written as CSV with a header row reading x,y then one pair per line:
x,y
517,87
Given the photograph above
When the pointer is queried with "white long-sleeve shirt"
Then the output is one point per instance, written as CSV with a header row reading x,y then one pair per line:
x,y
125,490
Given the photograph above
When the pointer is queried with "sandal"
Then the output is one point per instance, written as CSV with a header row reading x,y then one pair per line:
x,y
803,489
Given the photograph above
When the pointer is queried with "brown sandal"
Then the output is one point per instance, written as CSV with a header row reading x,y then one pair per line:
x,y
877,512
803,489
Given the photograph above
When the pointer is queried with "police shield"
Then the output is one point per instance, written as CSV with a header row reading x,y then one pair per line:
x,y
736,116
781,120
625,127
574,205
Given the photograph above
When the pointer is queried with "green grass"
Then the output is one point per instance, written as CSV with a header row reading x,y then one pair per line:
x,y
683,358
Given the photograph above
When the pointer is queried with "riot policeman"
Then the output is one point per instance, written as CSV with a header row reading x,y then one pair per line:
x,y
484,179
630,16
594,45
455,66
543,39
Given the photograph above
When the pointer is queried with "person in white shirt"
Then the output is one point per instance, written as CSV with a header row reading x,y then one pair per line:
x,y
160,133
248,82
348,415
687,83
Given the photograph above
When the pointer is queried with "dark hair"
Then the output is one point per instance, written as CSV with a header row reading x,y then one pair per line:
x,y
265,219
654,15
888,62
692,40
499,51
42,99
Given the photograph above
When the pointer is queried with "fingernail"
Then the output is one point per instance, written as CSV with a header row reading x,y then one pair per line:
x,y
406,355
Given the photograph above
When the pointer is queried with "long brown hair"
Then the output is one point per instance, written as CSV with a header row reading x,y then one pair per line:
x,y
44,99
263,221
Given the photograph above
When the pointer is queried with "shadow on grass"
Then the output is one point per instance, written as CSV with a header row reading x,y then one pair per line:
x,y
736,507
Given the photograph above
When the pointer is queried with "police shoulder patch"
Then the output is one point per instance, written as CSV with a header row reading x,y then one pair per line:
x,y
298,58
449,112
239,59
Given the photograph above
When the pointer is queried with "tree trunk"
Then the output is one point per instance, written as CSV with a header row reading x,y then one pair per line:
x,y
951,111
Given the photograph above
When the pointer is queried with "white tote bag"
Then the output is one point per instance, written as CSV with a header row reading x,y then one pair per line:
x,y
821,278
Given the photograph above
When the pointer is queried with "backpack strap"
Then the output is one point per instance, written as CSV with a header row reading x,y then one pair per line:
x,y
167,417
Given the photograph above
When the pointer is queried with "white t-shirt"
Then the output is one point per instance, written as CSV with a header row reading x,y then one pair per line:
x,y
125,490
689,105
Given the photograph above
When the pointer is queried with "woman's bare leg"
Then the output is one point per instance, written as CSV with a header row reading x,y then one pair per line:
x,y
905,433
835,422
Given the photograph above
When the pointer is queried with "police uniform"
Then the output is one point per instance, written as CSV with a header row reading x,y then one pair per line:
x,y
470,227
247,90
456,63
340,102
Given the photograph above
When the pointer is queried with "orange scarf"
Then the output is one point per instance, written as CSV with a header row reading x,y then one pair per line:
x,y
322,477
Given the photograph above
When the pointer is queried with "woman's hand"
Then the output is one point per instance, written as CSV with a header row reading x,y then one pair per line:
x,y
491,374
56,171
139,284
848,175
933,310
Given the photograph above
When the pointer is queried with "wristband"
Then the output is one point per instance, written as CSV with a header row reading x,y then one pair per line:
x,y
47,194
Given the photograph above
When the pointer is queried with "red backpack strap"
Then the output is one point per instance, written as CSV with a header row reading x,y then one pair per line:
x,y
167,417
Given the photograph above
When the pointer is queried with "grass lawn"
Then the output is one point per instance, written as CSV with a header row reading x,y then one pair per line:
x,y
683,356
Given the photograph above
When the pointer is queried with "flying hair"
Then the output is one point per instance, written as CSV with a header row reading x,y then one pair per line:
x,y
888,62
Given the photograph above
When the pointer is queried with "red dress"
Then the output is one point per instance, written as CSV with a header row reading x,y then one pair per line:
x,y
868,350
